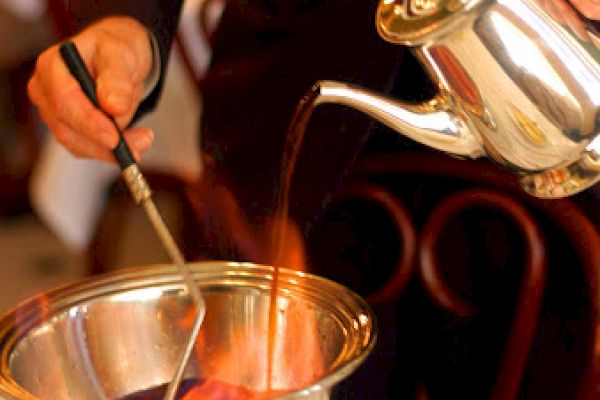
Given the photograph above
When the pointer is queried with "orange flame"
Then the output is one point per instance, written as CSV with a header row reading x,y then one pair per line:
x,y
287,357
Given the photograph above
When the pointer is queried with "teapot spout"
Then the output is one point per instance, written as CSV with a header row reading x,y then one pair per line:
x,y
432,123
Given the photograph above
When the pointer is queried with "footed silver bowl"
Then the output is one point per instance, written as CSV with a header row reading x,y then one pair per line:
x,y
121,334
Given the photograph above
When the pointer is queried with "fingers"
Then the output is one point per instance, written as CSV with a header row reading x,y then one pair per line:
x,y
563,12
589,8
81,146
62,103
552,11
117,53
571,19
139,140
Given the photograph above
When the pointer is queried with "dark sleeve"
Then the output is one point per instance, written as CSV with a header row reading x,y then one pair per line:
x,y
159,16
266,55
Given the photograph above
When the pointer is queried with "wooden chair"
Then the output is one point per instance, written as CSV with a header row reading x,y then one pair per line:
x,y
471,266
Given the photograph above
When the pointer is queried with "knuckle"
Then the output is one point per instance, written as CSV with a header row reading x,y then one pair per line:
x,y
110,45
58,106
88,120
105,42
69,88
114,45
61,97
88,114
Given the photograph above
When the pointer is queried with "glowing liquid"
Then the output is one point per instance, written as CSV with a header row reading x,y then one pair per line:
x,y
193,389
158,392
293,142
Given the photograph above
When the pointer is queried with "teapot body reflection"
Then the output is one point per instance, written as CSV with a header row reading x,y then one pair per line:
x,y
514,84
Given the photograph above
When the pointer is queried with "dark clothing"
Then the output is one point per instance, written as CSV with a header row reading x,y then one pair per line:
x,y
267,54
260,71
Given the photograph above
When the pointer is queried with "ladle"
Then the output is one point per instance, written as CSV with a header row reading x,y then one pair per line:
x,y
142,194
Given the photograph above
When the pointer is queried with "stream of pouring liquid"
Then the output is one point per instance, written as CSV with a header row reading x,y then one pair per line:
x,y
214,389
293,141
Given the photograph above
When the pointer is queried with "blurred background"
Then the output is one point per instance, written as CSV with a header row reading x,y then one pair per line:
x,y
63,218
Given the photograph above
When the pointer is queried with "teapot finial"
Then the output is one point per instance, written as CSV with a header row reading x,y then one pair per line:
x,y
414,22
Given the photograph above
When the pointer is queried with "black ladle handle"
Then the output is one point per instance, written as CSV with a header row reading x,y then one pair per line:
x,y
76,66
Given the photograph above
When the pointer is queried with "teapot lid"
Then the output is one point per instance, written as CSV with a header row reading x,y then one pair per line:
x,y
413,22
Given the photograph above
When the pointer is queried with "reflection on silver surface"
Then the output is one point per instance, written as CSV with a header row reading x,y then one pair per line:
x,y
431,123
517,82
117,335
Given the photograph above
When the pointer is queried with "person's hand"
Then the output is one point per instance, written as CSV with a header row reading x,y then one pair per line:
x,y
589,8
118,53
565,13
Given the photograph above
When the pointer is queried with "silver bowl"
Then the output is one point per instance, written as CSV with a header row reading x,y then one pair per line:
x,y
113,336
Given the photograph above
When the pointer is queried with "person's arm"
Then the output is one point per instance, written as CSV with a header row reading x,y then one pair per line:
x,y
118,52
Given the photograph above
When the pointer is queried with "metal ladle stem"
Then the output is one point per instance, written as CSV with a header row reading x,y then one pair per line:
x,y
177,258
142,194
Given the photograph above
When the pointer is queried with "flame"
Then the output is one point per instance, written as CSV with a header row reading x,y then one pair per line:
x,y
239,370
257,364
262,363
214,390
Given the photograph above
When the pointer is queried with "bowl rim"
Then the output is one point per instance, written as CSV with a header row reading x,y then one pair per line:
x,y
39,308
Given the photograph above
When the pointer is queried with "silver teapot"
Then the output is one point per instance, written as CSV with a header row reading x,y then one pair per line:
x,y
515,84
